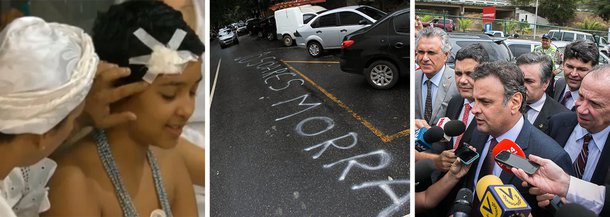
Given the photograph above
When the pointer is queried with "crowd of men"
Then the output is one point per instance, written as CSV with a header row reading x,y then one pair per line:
x,y
562,125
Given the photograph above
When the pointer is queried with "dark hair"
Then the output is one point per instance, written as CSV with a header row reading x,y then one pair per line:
x,y
114,40
473,51
582,50
546,64
510,76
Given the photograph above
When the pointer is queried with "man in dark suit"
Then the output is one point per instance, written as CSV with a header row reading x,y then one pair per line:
x,y
499,94
579,58
537,71
591,125
460,106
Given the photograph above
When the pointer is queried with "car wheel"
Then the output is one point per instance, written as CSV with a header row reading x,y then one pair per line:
x,y
314,49
287,40
382,74
260,34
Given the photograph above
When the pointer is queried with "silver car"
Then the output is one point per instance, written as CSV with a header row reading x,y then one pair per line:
x,y
227,37
327,30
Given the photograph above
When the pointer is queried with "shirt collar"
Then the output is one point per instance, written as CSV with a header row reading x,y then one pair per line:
x,y
599,138
436,79
466,101
538,104
513,133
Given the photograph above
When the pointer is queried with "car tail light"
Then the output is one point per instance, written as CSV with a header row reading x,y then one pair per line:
x,y
296,34
347,43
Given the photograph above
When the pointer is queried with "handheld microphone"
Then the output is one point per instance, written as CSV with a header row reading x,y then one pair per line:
x,y
441,123
572,209
454,128
510,146
462,203
425,137
423,172
500,200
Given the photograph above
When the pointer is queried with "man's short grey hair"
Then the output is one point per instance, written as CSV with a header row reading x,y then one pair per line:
x,y
435,32
509,74
546,64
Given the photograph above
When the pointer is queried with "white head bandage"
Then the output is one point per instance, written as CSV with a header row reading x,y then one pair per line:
x,y
163,59
46,70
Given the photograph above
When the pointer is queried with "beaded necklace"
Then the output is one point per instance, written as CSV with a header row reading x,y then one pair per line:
x,y
103,150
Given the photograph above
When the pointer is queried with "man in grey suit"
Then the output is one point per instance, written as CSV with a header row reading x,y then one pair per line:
x,y
537,70
434,82
499,95
579,58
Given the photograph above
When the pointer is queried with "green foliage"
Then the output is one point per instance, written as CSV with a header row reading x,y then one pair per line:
x,y
524,27
602,8
557,11
464,24
426,18
590,24
510,26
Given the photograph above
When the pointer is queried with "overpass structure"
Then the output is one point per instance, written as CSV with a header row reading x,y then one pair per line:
x,y
504,9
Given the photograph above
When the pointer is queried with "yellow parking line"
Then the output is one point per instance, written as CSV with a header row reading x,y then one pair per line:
x,y
377,132
305,61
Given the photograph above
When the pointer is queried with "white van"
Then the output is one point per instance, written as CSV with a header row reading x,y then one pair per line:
x,y
289,19
569,35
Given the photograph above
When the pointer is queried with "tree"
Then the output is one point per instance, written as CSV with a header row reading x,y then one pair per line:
x,y
603,8
510,26
557,11
590,24
464,24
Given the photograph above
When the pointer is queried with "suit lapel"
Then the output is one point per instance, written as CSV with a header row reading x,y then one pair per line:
x,y
443,88
543,115
418,92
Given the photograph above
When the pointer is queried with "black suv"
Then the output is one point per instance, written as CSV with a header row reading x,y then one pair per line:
x,y
380,52
495,47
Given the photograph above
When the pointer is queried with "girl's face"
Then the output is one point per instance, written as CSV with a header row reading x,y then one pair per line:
x,y
163,108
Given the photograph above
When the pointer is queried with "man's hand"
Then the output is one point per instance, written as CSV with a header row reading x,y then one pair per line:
x,y
549,178
447,159
103,93
419,123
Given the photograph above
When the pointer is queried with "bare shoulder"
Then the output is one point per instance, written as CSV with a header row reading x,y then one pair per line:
x,y
70,187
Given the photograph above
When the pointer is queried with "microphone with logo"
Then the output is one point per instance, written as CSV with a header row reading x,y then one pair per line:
x,y
462,203
425,137
500,200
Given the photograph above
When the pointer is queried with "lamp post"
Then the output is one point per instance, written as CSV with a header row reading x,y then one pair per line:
x,y
536,20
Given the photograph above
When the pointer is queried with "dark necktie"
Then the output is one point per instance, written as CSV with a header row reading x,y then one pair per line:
x,y
581,161
428,106
566,97
489,162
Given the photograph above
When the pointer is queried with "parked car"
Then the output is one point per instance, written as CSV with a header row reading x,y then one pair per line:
x,y
267,28
227,37
519,47
252,26
327,30
569,35
379,52
603,45
495,47
497,34
446,24
289,19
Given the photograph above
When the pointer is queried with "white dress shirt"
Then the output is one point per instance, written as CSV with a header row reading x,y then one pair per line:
x,y
535,109
596,146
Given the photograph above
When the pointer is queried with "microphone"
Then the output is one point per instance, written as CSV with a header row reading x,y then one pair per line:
x,y
425,137
510,146
462,203
441,123
423,172
500,200
571,209
454,128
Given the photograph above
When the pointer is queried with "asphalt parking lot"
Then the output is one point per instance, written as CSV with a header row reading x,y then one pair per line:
x,y
294,135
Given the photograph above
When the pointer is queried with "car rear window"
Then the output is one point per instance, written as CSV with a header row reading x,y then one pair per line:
x,y
371,12
520,49
349,18
308,17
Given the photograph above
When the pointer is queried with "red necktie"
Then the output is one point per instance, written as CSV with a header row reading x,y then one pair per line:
x,y
465,121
